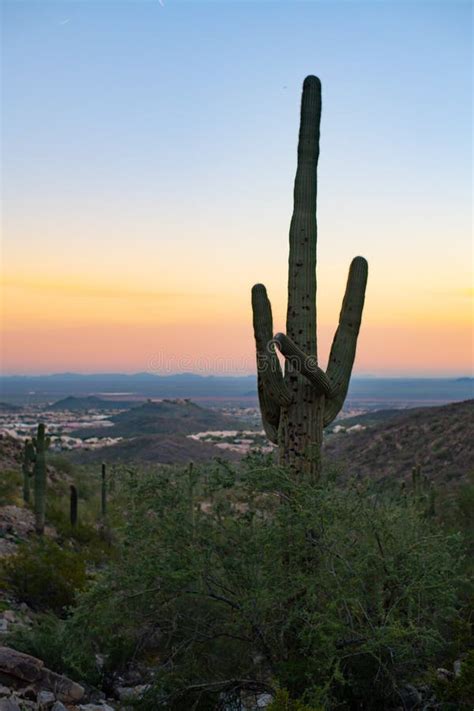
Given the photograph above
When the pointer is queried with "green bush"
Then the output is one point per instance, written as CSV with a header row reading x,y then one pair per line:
x,y
44,575
456,692
282,702
45,640
10,488
228,581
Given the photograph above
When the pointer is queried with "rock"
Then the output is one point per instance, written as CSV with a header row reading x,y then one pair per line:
x,y
28,692
23,667
443,674
94,696
9,616
4,690
27,705
130,693
9,705
410,696
58,706
19,665
457,664
96,707
65,689
3,626
45,699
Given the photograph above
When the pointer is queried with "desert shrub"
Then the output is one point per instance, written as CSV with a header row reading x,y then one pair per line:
x,y
282,702
61,463
44,575
455,692
227,581
10,487
45,640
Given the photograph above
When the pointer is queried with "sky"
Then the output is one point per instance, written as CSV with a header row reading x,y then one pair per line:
x,y
148,159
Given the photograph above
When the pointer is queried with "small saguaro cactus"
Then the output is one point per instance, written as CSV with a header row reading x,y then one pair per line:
x,y
298,404
40,445
193,479
28,459
103,493
423,490
73,505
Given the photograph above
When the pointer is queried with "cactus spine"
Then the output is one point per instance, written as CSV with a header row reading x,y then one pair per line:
x,y
40,445
103,494
298,404
28,459
73,505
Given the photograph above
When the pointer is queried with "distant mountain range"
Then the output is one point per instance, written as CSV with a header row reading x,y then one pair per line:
x,y
374,391
44,388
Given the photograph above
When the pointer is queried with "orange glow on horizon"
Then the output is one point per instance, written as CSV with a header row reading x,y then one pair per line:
x,y
53,324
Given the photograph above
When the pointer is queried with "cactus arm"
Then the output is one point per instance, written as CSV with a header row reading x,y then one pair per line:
x,y
29,451
270,411
301,314
273,377
305,365
271,384
262,326
344,344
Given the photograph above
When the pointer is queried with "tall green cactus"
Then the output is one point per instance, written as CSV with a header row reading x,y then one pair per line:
x,y
40,445
73,505
103,492
28,459
298,404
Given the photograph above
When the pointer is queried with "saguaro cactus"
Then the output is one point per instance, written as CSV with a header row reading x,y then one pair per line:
x,y
28,459
298,404
73,505
40,445
103,492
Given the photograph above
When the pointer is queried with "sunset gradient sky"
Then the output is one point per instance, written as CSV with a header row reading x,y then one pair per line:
x,y
149,152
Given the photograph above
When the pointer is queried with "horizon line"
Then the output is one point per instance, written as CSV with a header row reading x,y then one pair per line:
x,y
131,374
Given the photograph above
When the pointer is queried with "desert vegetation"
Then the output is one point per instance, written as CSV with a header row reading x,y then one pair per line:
x,y
219,585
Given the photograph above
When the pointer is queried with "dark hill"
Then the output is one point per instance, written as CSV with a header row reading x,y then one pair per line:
x,y
8,407
368,419
164,417
156,449
440,439
83,404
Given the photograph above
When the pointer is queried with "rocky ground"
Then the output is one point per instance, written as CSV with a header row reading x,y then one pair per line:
x,y
26,684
